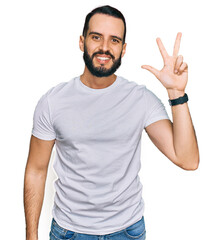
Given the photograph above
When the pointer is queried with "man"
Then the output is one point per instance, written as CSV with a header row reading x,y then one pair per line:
x,y
96,121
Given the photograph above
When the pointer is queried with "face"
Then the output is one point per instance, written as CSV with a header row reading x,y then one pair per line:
x,y
103,47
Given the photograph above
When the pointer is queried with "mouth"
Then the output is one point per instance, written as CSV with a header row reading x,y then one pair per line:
x,y
103,59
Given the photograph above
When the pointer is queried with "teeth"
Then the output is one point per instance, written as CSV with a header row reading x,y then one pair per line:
x,y
103,58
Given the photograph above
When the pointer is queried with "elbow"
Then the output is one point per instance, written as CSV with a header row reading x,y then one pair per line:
x,y
191,168
191,164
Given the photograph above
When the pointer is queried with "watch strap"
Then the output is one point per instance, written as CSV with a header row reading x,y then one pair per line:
x,y
179,100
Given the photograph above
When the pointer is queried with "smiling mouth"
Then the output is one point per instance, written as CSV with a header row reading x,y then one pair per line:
x,y
103,59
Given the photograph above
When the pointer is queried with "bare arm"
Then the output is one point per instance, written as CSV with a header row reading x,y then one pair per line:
x,y
184,138
176,140
34,183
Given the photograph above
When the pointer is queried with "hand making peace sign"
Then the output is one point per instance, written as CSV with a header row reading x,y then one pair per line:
x,y
174,74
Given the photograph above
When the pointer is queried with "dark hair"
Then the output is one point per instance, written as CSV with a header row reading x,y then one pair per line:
x,y
108,10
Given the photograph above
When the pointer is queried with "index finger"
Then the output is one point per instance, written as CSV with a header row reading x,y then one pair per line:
x,y
177,44
162,49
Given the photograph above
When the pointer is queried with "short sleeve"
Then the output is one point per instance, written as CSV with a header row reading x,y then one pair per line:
x,y
42,125
154,108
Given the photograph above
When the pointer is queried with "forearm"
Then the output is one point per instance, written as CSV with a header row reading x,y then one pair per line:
x,y
34,185
184,138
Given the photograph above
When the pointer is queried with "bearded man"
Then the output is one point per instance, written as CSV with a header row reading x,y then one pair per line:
x,y
95,122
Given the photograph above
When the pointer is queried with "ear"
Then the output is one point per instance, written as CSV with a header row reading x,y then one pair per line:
x,y
124,49
81,43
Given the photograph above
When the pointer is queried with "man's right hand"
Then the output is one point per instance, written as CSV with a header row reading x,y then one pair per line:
x,y
34,183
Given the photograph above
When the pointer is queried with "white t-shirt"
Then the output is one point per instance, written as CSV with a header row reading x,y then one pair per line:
x,y
98,143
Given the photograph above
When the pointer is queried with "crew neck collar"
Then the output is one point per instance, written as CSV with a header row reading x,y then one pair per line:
x,y
100,90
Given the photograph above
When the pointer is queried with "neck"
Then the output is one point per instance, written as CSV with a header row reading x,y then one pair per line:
x,y
96,82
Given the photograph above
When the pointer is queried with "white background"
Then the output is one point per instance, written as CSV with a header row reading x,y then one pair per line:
x,y
39,49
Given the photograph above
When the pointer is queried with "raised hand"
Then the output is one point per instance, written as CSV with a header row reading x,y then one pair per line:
x,y
174,74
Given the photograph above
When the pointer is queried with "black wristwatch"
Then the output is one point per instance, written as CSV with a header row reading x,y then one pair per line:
x,y
179,100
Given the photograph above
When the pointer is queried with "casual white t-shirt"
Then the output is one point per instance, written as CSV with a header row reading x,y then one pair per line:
x,y
98,143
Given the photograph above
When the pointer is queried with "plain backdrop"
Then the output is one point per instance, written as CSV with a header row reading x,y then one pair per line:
x,y
39,49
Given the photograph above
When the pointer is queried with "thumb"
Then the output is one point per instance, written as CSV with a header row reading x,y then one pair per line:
x,y
152,70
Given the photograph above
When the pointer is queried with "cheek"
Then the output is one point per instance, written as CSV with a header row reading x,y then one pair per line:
x,y
118,53
91,47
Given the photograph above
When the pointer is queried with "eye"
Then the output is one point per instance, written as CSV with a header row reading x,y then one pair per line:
x,y
114,40
95,37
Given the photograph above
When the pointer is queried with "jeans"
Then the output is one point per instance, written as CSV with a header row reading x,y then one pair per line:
x,y
136,231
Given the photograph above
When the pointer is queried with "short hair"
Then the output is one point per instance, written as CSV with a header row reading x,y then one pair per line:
x,y
108,10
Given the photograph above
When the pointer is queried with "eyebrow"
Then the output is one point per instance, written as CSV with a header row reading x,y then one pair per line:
x,y
101,35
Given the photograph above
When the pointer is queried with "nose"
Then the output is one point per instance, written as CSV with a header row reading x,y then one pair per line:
x,y
104,45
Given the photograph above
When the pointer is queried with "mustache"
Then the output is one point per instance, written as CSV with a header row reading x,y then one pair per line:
x,y
102,52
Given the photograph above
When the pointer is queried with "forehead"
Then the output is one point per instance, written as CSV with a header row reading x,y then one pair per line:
x,y
106,25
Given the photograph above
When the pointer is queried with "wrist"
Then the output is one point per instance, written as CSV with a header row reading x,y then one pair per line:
x,y
31,236
173,93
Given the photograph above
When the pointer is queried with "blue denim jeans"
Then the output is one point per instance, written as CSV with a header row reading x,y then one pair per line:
x,y
136,231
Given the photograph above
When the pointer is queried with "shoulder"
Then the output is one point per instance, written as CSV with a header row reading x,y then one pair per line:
x,y
130,84
150,98
140,88
60,89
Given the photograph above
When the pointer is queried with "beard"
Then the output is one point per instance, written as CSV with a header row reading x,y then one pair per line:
x,y
101,71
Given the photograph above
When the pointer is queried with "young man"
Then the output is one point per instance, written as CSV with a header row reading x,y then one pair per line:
x,y
96,121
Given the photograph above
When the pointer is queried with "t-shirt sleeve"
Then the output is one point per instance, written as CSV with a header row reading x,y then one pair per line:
x,y
155,109
42,124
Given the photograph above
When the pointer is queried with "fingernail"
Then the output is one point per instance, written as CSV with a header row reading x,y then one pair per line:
x,y
175,71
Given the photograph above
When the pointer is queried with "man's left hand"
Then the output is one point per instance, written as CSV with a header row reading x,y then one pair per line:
x,y
174,74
